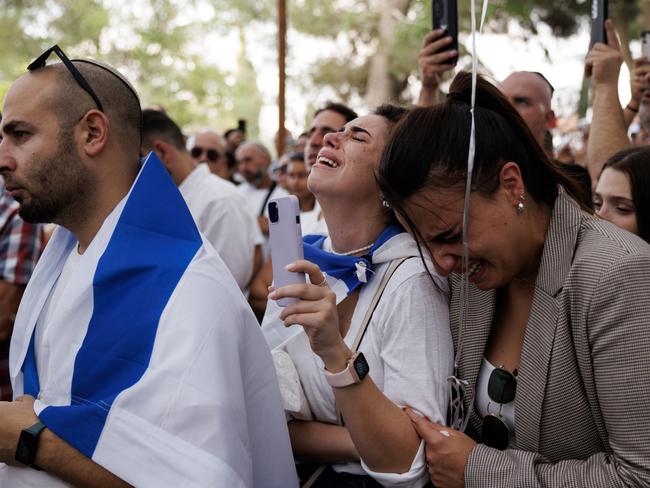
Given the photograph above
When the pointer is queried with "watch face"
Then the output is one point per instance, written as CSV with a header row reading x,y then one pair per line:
x,y
26,449
361,366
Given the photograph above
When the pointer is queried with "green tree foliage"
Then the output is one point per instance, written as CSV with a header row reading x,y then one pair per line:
x,y
151,41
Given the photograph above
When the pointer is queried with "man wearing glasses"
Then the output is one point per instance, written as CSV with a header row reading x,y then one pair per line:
x,y
207,147
133,361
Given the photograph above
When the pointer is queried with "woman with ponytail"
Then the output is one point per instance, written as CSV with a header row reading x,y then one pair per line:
x,y
549,311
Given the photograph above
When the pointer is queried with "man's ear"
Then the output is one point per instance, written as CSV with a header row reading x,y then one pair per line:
x,y
551,120
512,182
95,131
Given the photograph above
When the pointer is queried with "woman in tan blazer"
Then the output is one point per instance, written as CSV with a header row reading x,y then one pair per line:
x,y
552,338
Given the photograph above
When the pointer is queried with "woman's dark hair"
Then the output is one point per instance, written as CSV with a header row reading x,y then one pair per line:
x,y
392,114
430,147
635,162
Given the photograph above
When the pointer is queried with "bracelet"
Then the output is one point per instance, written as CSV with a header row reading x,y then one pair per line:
x,y
632,109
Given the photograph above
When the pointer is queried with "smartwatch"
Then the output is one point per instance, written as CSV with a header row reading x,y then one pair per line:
x,y
28,444
356,370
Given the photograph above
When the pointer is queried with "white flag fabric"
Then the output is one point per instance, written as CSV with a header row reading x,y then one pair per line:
x,y
154,366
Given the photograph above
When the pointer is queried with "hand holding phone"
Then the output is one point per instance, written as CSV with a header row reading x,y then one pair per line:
x,y
598,17
286,243
444,14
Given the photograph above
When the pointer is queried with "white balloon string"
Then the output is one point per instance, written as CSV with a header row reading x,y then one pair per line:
x,y
464,291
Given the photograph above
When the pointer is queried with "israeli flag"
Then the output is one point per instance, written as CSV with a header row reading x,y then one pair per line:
x,y
151,364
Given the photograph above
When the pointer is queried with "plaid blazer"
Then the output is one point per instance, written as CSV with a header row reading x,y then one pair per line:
x,y
582,410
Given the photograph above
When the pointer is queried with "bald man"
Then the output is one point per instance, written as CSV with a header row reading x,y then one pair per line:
x,y
206,146
135,360
531,94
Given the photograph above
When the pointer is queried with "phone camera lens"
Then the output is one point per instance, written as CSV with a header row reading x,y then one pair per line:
x,y
273,212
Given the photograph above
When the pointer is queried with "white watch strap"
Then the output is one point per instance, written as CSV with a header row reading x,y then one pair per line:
x,y
343,378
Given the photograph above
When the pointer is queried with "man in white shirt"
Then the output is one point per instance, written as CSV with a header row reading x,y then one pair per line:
x,y
207,146
219,213
139,360
253,161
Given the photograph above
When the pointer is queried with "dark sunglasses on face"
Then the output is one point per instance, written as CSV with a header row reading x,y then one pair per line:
x,y
502,388
212,154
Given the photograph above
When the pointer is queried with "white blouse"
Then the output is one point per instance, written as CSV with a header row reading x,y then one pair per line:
x,y
409,349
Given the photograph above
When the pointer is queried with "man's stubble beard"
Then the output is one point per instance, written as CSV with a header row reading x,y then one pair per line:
x,y
64,187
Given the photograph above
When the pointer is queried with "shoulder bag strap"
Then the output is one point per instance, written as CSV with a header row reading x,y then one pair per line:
x,y
375,301
266,199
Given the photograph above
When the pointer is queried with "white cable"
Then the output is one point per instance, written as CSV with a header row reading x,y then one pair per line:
x,y
464,290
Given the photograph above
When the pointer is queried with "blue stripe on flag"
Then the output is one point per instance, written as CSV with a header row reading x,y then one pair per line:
x,y
153,243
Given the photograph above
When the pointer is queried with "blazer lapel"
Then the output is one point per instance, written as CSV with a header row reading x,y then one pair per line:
x,y
557,257
471,338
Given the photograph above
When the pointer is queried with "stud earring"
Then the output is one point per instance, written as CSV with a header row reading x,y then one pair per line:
x,y
385,204
520,205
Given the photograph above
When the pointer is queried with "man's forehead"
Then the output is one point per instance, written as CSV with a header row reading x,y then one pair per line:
x,y
208,138
527,85
329,118
27,95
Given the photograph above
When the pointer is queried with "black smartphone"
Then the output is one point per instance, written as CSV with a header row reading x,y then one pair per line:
x,y
445,16
598,17
241,126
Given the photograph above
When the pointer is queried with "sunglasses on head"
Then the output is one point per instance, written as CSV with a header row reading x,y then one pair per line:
x,y
76,74
502,388
79,78
211,154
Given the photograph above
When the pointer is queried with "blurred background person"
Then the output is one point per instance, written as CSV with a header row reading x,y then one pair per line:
x,y
207,146
220,214
622,193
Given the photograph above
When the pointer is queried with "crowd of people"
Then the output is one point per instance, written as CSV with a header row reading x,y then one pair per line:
x,y
457,327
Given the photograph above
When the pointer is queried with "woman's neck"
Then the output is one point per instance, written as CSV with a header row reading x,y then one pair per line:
x,y
307,203
352,226
539,219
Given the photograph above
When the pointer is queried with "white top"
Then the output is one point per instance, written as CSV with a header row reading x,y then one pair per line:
x,y
312,221
206,411
409,349
222,216
484,405
254,198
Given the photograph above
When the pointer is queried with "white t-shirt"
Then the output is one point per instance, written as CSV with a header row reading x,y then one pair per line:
x,y
409,350
312,221
43,341
255,197
222,216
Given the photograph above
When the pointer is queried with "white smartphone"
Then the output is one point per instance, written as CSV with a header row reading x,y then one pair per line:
x,y
286,242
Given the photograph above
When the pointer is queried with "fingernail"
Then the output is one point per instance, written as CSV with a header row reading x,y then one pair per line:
x,y
272,295
289,267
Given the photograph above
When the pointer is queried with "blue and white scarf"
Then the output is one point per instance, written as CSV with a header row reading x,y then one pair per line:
x,y
352,270
344,274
